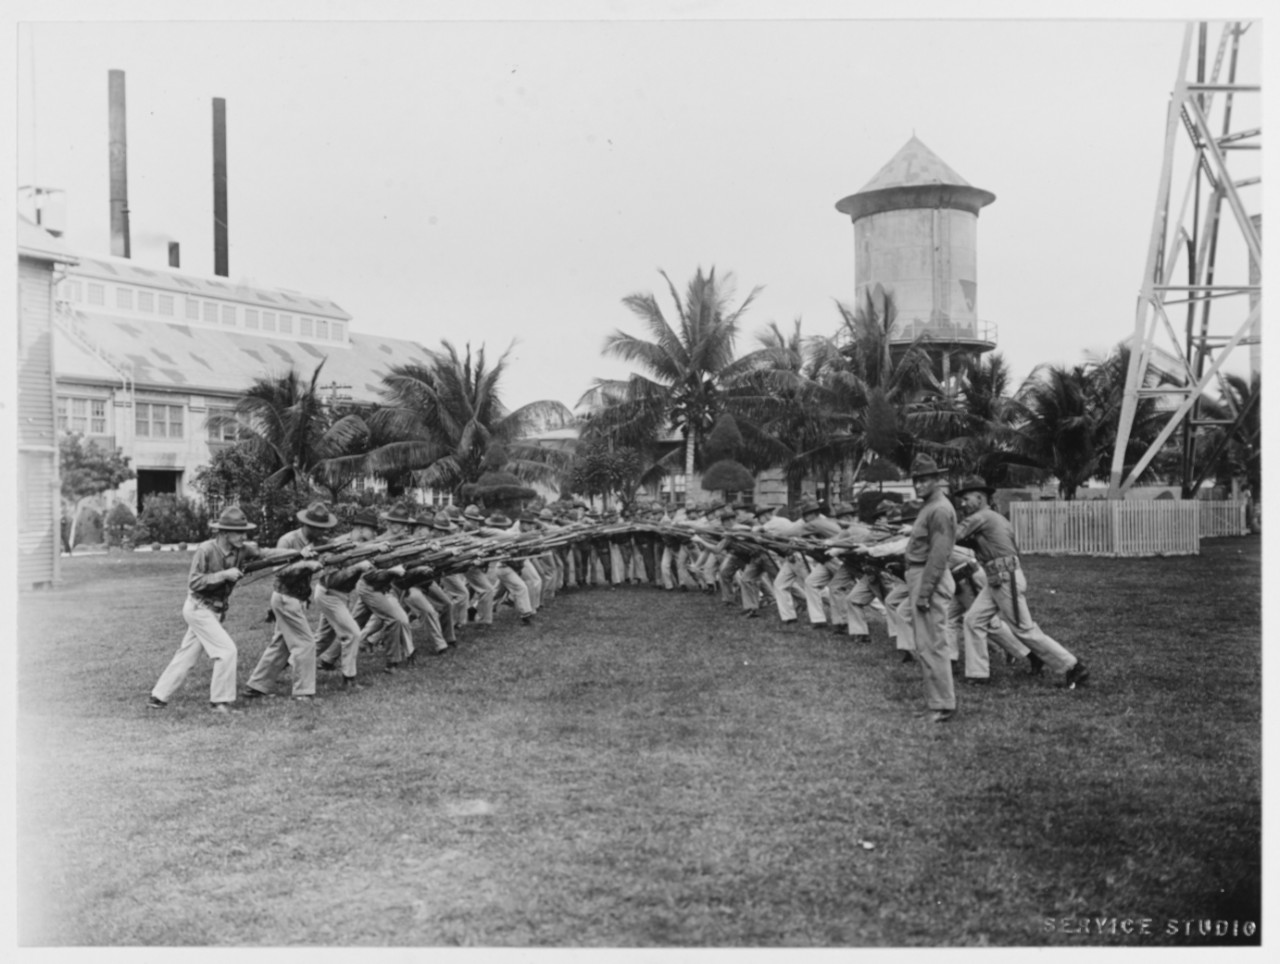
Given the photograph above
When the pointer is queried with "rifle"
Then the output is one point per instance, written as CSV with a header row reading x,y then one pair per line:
x,y
330,553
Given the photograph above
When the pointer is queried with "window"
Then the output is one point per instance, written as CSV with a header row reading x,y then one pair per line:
x,y
268,321
439,498
322,328
97,417
210,313
146,301
73,415
229,315
158,421
219,430
304,327
124,298
677,486
166,305
251,318
286,324
339,331
97,294
193,310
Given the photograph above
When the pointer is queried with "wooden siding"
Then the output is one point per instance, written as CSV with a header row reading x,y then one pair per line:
x,y
1107,528
38,542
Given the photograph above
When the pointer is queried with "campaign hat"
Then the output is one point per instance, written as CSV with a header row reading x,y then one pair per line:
x,y
760,510
442,523
473,513
843,508
808,506
973,483
399,512
922,466
318,516
365,517
232,519
498,520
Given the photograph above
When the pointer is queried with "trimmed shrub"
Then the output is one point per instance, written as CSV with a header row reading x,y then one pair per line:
x,y
171,518
119,525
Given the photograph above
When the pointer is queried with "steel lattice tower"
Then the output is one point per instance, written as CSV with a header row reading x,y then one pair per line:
x,y
1219,238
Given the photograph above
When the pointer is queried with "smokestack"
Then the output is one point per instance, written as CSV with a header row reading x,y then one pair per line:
x,y
220,266
118,151
173,254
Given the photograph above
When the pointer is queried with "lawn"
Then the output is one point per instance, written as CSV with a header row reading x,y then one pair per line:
x,y
646,769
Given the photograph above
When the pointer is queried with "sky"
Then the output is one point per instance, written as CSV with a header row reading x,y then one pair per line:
x,y
507,181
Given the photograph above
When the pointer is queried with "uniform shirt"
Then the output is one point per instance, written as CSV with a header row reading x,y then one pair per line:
x,y
342,580
820,526
209,559
990,534
290,581
933,536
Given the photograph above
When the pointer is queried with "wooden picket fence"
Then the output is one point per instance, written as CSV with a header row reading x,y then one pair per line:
x,y
1223,519
1107,528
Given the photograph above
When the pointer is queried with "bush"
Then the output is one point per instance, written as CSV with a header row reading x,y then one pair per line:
x,y
171,518
120,524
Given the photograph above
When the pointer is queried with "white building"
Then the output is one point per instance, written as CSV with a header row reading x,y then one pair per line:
x,y
145,354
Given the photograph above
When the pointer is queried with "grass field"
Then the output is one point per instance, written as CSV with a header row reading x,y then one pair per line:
x,y
645,769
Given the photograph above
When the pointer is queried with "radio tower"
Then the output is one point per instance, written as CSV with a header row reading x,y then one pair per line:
x,y
1218,286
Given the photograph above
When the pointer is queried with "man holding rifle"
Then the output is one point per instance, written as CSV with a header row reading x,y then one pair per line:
x,y
991,536
293,642
215,570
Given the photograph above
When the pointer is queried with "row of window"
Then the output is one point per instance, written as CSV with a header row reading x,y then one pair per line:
x,y
85,416
210,312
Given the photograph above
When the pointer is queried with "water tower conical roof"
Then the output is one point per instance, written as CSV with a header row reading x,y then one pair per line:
x,y
914,177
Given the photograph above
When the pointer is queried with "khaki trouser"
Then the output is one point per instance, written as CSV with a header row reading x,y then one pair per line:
x,y
293,643
998,600
789,580
387,612
856,602
510,580
204,631
837,580
757,574
927,627
338,628
897,599
478,579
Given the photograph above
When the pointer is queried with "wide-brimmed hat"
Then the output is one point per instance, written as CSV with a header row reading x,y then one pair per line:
x,y
498,521
843,508
318,516
528,517
728,512
233,519
365,517
761,510
546,515
452,511
973,483
923,466
906,512
425,519
808,506
399,512
442,523
473,513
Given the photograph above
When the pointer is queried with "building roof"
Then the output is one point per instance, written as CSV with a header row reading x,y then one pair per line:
x,y
125,271
914,164
175,357
35,242
914,177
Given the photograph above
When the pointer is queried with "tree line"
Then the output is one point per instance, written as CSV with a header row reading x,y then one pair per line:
x,y
846,408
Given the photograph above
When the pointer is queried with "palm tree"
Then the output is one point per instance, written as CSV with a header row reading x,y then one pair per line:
x,y
690,375
284,421
978,429
877,393
1234,450
1072,418
443,415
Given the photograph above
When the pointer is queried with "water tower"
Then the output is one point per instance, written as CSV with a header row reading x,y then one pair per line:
x,y
915,234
